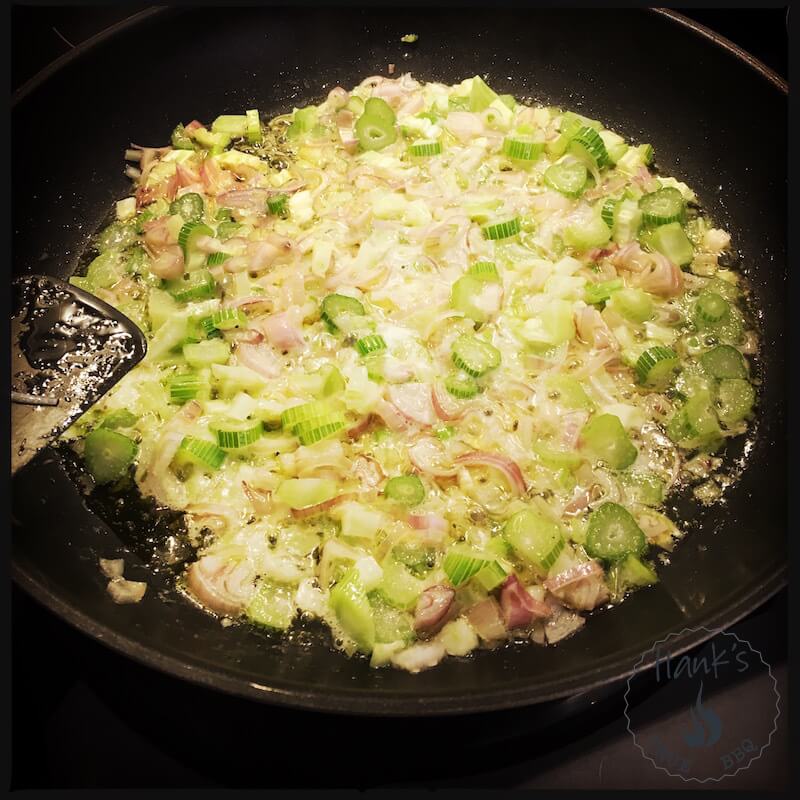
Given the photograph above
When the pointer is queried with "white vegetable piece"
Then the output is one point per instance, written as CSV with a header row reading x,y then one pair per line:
x,y
126,209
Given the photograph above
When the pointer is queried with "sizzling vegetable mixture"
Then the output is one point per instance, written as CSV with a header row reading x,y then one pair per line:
x,y
424,363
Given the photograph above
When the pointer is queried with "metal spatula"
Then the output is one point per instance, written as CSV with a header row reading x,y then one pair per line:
x,y
68,348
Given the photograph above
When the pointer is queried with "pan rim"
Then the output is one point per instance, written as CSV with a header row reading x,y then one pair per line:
x,y
367,703
370,703
701,30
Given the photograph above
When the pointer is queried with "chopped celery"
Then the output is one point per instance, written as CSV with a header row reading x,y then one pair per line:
x,y
643,487
301,493
273,605
735,400
633,304
591,233
204,354
108,454
480,96
535,538
604,438
398,585
613,533
671,241
474,297
160,307
352,608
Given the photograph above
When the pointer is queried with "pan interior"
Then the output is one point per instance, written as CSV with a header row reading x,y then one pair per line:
x,y
680,92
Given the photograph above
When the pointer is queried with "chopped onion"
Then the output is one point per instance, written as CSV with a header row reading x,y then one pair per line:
x,y
428,455
123,592
420,656
413,402
447,408
112,567
508,468
487,619
221,585
310,511
260,359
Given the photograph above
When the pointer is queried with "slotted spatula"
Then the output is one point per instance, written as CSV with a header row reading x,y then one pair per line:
x,y
68,348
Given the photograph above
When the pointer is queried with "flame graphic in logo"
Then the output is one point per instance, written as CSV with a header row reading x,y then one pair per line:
x,y
706,725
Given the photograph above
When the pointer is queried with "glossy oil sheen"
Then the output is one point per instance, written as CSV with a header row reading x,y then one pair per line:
x,y
646,75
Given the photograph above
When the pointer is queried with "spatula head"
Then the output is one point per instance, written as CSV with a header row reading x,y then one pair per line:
x,y
68,348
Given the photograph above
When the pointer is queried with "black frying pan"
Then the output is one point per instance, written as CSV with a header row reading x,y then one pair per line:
x,y
716,118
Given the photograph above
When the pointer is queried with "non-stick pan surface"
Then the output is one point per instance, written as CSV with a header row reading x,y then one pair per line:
x,y
715,119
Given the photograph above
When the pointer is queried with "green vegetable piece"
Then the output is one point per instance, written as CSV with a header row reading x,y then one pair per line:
x,y
425,148
334,382
535,538
695,423
121,418
214,142
475,356
226,229
656,367
568,392
337,307
630,573
352,608
105,271
273,606
399,586
299,493
570,178
613,533
597,293
480,96
724,361
502,230
735,400
197,285
671,241
108,454
484,271
462,563
277,205
254,133
643,487
180,140
232,435
461,385
200,452
587,145
632,304
204,354
117,236
190,206
587,235
406,489
373,343
375,128
183,388
709,309
467,296
605,439
663,207
523,148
